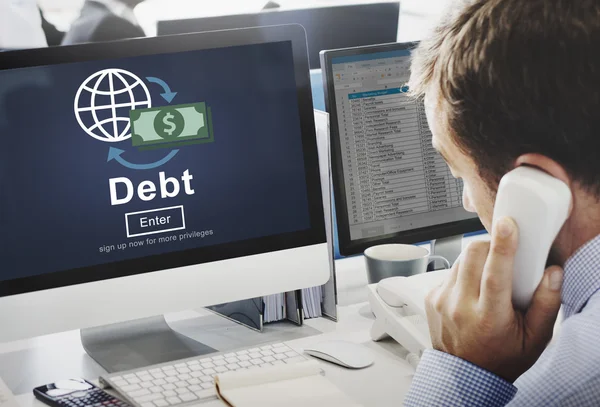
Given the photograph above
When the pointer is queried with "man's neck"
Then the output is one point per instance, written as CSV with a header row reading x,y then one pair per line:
x,y
582,226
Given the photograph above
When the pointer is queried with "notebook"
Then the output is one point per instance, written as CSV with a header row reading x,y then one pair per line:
x,y
296,385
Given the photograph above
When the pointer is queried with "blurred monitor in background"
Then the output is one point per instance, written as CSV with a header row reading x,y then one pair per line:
x,y
335,26
20,25
104,20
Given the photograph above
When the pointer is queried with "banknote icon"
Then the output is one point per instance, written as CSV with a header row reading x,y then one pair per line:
x,y
171,126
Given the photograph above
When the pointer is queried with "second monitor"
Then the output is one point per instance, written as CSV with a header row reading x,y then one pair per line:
x,y
390,185
326,27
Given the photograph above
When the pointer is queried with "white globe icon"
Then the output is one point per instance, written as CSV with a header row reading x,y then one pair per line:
x,y
103,102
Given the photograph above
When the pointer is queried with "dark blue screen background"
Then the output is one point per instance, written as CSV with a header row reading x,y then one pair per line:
x,y
55,210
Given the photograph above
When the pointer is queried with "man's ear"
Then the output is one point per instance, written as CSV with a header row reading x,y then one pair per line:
x,y
547,165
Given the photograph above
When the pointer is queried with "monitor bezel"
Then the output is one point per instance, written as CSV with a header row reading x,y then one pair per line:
x,y
293,33
348,247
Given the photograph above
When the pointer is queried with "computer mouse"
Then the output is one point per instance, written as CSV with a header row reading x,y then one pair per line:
x,y
342,353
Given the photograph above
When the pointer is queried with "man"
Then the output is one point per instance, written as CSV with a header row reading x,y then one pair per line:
x,y
104,20
509,83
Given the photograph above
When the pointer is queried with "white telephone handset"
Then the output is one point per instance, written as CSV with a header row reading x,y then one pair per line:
x,y
537,202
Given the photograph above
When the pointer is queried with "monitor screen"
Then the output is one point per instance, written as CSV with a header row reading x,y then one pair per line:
x,y
394,181
110,160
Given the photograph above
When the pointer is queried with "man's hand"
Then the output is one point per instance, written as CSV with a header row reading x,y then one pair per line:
x,y
471,314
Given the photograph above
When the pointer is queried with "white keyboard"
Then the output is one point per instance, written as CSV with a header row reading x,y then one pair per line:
x,y
7,399
190,381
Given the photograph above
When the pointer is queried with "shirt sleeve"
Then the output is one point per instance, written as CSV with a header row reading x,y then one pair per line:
x,y
445,380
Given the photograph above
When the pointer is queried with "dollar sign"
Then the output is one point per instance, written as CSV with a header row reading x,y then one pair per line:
x,y
167,121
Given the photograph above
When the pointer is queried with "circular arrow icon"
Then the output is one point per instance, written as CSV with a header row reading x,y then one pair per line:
x,y
167,95
115,154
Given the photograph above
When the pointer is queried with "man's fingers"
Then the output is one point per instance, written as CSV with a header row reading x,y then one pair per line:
x,y
545,303
496,282
450,278
437,295
469,273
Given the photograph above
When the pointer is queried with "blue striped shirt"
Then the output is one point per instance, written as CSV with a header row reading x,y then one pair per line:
x,y
566,374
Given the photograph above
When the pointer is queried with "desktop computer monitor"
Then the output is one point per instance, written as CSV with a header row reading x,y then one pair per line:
x,y
390,185
326,27
155,175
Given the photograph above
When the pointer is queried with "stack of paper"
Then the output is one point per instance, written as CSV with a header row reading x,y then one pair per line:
x,y
274,308
296,385
312,299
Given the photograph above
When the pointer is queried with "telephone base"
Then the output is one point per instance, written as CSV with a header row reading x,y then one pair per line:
x,y
399,307
378,330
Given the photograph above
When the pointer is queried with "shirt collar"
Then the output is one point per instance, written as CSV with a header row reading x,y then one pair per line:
x,y
119,9
581,277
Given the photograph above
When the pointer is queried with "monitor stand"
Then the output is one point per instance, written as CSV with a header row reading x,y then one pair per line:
x,y
135,344
447,247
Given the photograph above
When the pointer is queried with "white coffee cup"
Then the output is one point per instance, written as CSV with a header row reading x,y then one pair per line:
x,y
393,260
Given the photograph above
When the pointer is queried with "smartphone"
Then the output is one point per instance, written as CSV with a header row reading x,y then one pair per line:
x,y
76,393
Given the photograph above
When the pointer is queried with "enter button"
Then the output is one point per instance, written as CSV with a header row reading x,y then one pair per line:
x,y
154,221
